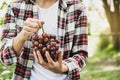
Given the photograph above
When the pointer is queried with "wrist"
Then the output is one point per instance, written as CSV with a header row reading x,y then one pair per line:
x,y
22,37
18,40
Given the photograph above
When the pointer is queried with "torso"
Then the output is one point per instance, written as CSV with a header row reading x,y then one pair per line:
x,y
48,15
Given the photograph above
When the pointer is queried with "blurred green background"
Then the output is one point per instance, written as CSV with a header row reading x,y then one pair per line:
x,y
103,44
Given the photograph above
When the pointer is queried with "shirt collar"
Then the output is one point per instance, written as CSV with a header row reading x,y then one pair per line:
x,y
63,3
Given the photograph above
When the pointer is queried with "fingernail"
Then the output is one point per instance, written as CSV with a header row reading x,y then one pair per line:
x,y
46,52
37,51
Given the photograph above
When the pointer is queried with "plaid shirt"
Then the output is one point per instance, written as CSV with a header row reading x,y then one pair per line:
x,y
72,33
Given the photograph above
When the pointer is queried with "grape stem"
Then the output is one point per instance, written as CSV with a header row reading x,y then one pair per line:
x,y
43,29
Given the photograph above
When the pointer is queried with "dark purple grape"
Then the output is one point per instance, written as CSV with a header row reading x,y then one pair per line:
x,y
33,41
32,46
48,36
57,41
35,48
52,40
36,43
53,57
58,52
52,48
40,45
53,36
44,35
46,40
44,49
40,49
52,44
48,47
57,47
40,39
35,37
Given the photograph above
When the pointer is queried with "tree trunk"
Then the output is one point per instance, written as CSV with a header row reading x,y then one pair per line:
x,y
114,21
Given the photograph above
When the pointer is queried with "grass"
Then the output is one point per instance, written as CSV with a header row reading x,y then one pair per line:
x,y
97,67
94,71
103,75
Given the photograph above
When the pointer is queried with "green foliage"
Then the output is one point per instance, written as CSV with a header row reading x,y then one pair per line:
x,y
103,75
105,41
105,48
6,72
2,18
3,6
2,21
97,65
105,56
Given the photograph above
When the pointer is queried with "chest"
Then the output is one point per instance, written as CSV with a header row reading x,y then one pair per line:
x,y
65,19
46,15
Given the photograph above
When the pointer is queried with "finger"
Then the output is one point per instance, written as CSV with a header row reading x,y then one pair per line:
x,y
32,20
46,67
49,59
41,23
60,57
35,56
40,59
31,24
29,29
29,33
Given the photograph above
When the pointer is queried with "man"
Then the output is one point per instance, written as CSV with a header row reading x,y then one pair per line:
x,y
64,18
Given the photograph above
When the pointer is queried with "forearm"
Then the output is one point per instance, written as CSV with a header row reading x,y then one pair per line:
x,y
18,43
31,26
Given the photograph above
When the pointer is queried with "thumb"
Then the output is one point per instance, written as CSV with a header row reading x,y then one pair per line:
x,y
42,22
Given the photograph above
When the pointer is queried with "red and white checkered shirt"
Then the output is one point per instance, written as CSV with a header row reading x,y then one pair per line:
x,y
72,33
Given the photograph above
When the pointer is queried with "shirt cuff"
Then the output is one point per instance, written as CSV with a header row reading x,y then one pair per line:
x,y
8,53
71,63
74,69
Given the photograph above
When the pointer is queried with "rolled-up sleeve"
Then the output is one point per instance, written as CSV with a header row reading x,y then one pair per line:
x,y
79,49
7,53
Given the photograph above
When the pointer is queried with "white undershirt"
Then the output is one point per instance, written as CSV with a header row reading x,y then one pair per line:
x,y
49,15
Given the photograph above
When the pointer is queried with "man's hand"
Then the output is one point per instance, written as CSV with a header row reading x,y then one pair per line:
x,y
31,26
56,67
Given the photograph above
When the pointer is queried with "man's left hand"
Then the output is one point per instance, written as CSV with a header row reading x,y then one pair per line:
x,y
57,67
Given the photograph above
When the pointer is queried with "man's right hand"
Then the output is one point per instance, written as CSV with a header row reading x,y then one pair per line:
x,y
31,26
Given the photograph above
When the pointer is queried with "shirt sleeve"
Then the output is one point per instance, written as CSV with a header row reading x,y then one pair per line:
x,y
7,53
79,49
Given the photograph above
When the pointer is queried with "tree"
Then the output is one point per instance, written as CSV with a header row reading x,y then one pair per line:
x,y
112,9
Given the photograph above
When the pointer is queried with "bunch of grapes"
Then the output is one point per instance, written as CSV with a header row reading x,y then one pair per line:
x,y
46,42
